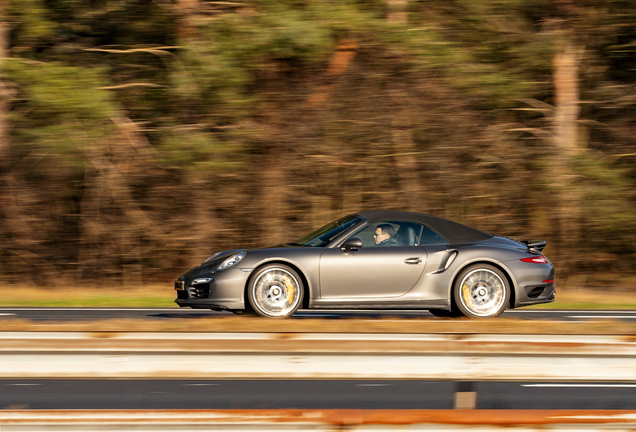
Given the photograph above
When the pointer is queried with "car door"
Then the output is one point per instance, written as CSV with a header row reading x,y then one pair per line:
x,y
374,271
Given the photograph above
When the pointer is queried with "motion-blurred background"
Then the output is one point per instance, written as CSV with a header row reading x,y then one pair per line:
x,y
139,136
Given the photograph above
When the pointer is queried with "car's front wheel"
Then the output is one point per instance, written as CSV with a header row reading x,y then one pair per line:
x,y
481,291
275,291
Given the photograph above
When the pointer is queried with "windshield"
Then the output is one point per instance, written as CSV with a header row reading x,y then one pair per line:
x,y
323,236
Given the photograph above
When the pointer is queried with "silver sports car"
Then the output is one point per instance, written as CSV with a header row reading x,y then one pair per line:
x,y
376,260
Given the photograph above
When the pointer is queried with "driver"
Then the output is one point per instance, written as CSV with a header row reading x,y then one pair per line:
x,y
385,236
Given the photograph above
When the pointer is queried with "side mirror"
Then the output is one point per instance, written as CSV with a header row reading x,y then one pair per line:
x,y
350,244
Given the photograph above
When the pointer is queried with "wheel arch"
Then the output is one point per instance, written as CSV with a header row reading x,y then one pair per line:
x,y
293,266
511,280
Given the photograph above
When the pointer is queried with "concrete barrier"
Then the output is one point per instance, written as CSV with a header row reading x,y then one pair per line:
x,y
317,356
316,420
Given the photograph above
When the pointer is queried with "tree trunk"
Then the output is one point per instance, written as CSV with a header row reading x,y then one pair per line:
x,y
273,197
566,91
4,93
204,223
397,11
340,61
403,149
186,12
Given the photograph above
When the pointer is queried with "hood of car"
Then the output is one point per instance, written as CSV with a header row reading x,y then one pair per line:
x,y
217,258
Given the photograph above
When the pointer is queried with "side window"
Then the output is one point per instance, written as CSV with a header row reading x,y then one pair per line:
x,y
390,233
430,237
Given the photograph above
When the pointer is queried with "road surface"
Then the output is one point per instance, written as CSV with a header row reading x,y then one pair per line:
x,y
303,394
101,313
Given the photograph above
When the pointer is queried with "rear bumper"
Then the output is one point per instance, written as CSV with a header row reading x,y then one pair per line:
x,y
534,283
540,294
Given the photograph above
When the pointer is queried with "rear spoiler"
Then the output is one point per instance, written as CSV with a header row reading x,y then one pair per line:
x,y
535,246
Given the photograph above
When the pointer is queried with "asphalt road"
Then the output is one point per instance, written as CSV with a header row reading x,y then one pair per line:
x,y
179,394
90,314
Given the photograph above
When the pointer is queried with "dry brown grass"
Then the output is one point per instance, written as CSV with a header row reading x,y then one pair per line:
x,y
349,325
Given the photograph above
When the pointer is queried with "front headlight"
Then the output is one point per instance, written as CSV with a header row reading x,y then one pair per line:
x,y
211,257
231,261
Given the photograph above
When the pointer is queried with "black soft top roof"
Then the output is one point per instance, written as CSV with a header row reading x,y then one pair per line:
x,y
452,231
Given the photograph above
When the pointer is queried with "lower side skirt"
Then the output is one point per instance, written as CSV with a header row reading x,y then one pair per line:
x,y
438,304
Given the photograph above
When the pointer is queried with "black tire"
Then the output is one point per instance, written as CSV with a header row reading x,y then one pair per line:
x,y
275,291
481,291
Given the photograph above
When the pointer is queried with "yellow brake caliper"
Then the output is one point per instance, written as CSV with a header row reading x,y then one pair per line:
x,y
466,294
290,289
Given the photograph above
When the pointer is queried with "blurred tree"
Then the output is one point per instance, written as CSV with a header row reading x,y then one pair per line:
x,y
141,135
4,92
566,65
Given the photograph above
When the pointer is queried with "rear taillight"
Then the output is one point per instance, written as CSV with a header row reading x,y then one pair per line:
x,y
536,259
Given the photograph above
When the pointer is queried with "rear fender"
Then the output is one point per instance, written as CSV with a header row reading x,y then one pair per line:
x,y
501,266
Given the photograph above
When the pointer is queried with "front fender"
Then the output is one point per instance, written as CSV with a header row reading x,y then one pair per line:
x,y
306,266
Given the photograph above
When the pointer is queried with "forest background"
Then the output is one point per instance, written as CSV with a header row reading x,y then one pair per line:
x,y
137,137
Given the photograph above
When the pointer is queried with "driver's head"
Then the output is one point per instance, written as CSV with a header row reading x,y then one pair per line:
x,y
383,232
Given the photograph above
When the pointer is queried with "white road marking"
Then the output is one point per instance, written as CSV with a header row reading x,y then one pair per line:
x,y
3,314
581,385
29,384
602,316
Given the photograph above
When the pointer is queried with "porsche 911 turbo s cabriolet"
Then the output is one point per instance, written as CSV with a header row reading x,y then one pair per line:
x,y
376,260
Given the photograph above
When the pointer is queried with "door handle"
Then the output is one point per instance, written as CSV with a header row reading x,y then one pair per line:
x,y
416,260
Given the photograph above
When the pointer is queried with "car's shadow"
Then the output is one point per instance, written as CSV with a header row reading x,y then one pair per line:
x,y
186,315
308,315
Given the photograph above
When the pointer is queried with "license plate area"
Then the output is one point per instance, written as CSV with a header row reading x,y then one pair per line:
x,y
179,285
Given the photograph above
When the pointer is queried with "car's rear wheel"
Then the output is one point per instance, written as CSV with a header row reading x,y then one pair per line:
x,y
481,291
275,291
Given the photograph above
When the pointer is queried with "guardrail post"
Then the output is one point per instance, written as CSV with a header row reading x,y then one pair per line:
x,y
465,396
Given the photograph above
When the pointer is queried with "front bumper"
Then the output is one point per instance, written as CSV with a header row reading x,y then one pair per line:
x,y
217,291
212,305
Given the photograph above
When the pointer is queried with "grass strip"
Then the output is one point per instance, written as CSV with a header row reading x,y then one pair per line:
x,y
145,296
164,295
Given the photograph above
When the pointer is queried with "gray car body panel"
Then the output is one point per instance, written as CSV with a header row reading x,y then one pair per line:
x,y
379,278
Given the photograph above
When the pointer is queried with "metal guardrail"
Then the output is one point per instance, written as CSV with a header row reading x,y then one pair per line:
x,y
318,356
316,420
456,357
